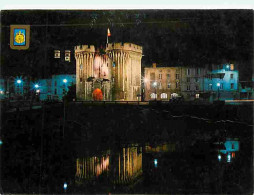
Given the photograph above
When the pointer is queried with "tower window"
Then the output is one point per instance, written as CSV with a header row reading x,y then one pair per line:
x,y
114,64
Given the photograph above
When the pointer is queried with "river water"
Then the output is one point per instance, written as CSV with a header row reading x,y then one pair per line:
x,y
188,161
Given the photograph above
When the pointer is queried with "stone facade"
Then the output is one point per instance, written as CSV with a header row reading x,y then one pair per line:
x,y
192,83
162,82
116,71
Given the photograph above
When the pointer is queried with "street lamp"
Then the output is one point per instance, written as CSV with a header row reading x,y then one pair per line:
x,y
36,86
218,85
19,81
65,186
65,80
155,85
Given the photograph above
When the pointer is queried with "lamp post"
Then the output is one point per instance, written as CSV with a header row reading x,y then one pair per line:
x,y
155,86
218,85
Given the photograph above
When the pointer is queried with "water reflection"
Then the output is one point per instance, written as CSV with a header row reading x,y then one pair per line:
x,y
91,167
119,167
166,147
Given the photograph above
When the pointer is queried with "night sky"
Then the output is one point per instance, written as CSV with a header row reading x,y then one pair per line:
x,y
168,37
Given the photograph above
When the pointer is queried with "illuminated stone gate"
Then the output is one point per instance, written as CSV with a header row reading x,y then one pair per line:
x,y
115,70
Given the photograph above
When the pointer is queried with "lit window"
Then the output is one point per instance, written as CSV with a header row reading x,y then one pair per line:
x,y
163,96
57,53
231,66
197,95
231,76
153,95
188,87
232,86
188,71
160,85
67,55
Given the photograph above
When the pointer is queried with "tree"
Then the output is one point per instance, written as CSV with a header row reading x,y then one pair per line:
x,y
71,94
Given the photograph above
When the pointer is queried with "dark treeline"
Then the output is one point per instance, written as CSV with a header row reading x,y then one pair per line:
x,y
169,37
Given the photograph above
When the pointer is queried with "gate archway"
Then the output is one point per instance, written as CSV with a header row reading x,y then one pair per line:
x,y
97,95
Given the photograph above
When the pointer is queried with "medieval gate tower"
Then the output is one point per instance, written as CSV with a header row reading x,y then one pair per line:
x,y
114,74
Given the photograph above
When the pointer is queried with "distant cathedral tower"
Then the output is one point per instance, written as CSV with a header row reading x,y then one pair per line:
x,y
114,74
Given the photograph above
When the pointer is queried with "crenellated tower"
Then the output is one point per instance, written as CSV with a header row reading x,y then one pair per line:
x,y
84,56
117,72
126,70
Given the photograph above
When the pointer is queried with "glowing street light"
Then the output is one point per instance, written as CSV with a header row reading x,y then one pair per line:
x,y
65,80
155,85
219,157
65,186
229,158
155,163
145,80
36,86
218,85
19,81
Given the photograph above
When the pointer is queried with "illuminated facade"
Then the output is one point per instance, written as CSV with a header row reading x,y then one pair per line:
x,y
115,72
161,83
192,82
164,83
223,82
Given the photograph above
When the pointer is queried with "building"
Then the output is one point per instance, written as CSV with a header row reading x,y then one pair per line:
x,y
111,74
53,88
192,82
59,86
222,82
161,83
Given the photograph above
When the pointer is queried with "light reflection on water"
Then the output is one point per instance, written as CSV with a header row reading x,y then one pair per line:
x,y
121,167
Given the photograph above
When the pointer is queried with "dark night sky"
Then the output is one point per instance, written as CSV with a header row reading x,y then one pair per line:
x,y
168,37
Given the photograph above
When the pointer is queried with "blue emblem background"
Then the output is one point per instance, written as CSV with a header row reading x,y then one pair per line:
x,y
16,30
